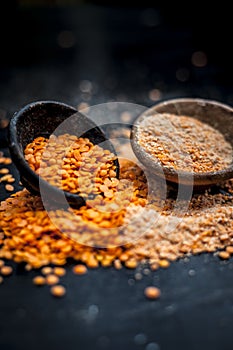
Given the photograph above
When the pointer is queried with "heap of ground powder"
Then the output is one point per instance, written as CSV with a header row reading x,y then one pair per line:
x,y
184,143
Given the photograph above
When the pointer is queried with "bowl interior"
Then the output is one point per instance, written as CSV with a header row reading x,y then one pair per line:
x,y
42,119
217,115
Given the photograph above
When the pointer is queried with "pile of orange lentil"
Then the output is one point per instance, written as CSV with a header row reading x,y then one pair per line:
x,y
125,230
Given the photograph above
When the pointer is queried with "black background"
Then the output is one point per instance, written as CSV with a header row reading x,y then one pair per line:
x,y
125,51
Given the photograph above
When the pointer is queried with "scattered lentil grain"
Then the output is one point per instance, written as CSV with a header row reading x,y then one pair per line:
x,y
229,250
131,264
79,269
58,291
6,270
164,263
117,264
11,179
59,271
51,279
47,270
152,292
4,171
224,255
39,281
7,160
9,188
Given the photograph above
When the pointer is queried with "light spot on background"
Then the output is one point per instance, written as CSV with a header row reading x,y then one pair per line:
x,y
154,94
66,39
199,59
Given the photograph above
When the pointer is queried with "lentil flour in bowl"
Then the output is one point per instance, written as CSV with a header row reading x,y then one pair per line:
x,y
191,147
185,143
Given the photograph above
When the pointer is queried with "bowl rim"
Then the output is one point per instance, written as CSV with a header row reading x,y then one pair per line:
x,y
199,178
22,164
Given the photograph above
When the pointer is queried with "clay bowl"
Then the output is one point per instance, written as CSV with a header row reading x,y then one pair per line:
x,y
42,119
217,115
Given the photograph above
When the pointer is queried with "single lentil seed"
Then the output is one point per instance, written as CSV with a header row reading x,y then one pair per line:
x,y
11,180
47,270
131,264
229,250
59,271
58,291
7,161
39,280
51,279
117,264
4,171
164,263
79,269
152,292
9,188
28,267
224,255
6,270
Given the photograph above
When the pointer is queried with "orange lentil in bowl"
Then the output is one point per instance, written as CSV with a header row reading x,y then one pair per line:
x,y
73,164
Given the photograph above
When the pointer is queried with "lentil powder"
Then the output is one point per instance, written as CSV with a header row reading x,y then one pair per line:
x,y
184,143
